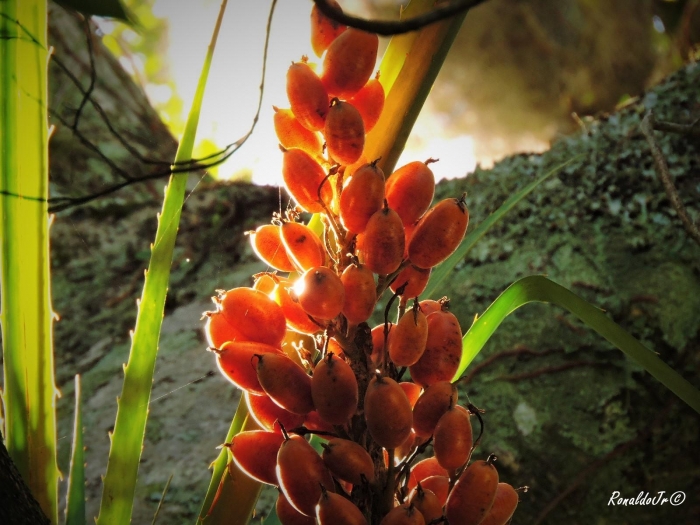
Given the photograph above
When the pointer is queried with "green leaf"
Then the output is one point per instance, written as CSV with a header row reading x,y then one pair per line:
x,y
106,8
132,412
443,270
75,506
29,391
540,289
219,464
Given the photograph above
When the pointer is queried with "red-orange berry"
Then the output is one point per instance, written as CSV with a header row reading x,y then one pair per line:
x,y
303,246
438,233
369,101
246,310
360,293
267,245
234,358
410,191
409,338
301,472
304,180
348,460
323,29
381,246
473,495
362,197
285,382
503,505
443,350
415,279
437,399
387,412
292,134
307,96
344,132
452,438
333,509
334,390
321,293
349,62
255,453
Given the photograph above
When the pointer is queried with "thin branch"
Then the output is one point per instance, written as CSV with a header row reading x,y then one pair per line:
x,y
661,166
93,75
397,27
64,203
682,129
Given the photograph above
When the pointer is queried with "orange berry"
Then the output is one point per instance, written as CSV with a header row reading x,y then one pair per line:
x,y
443,350
266,413
292,134
303,177
334,390
424,469
503,505
267,245
410,191
344,132
452,439
412,391
403,515
219,331
426,502
265,283
233,359
417,280
362,197
428,306
387,412
473,495
246,310
255,453
303,246
381,246
323,29
321,293
348,461
409,338
301,472
378,343
288,515
297,319
349,62
285,382
333,509
360,293
307,96
438,233
439,485
314,421
369,101
435,401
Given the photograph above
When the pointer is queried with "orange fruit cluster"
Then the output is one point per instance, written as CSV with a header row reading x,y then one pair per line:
x,y
298,344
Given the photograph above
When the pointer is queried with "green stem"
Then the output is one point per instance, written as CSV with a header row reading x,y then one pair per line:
x,y
27,317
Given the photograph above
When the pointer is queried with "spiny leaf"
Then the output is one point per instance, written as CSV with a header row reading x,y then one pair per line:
x,y
132,412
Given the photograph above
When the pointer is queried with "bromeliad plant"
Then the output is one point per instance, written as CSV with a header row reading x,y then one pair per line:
x,y
365,225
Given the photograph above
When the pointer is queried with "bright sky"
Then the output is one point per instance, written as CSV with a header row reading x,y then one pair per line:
x,y
233,86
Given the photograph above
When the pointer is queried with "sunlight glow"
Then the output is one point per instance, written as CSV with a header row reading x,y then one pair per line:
x,y
233,86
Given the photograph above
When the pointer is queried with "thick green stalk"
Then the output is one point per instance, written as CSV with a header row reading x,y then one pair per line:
x,y
75,500
129,429
27,317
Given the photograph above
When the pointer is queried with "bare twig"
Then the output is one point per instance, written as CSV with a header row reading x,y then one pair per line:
x,y
682,129
397,27
647,126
